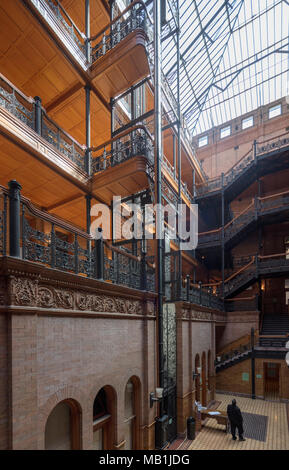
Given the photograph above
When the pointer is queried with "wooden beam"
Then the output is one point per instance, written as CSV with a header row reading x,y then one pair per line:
x,y
60,99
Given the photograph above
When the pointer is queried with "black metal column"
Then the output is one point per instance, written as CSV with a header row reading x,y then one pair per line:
x,y
87,29
223,239
38,115
158,178
88,130
174,154
253,362
14,218
179,138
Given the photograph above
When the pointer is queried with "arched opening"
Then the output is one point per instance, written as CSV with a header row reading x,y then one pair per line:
x,y
197,367
104,419
132,413
204,380
62,430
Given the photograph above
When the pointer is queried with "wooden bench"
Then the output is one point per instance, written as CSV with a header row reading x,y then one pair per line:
x,y
221,418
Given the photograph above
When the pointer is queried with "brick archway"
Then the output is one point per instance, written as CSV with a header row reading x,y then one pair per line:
x,y
77,399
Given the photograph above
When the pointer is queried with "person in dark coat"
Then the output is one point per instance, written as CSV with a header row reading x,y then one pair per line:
x,y
236,420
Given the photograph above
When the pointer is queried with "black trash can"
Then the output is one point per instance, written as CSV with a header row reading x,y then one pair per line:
x,y
191,428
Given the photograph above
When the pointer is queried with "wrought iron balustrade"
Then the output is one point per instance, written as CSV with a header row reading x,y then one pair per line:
x,y
31,113
260,207
242,351
136,141
171,171
17,103
65,144
135,16
273,144
258,149
64,20
45,239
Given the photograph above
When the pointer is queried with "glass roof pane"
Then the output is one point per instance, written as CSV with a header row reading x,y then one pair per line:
x,y
234,58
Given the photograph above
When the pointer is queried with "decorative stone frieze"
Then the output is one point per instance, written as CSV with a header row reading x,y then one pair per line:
x,y
33,290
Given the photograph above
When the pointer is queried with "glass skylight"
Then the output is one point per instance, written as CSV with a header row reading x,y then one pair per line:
x,y
234,58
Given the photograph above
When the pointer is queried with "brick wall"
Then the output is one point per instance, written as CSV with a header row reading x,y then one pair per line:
x,y
238,324
69,337
232,379
221,154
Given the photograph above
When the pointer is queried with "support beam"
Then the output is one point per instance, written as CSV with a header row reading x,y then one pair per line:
x,y
14,218
88,130
87,29
158,180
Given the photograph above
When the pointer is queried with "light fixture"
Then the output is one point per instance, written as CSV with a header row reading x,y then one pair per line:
x,y
195,375
157,396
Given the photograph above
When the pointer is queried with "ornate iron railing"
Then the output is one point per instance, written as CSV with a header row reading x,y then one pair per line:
x,y
17,103
172,172
65,144
258,208
31,113
136,141
135,16
67,23
242,351
258,148
50,241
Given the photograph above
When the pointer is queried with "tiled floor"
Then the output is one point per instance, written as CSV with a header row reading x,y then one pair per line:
x,y
212,436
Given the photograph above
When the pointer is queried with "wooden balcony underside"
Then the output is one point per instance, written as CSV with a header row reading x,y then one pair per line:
x,y
124,179
122,66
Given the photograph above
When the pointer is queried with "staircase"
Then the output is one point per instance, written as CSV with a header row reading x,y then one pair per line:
x,y
275,324
233,358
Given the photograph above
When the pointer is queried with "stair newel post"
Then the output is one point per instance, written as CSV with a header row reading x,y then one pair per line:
x,y
99,255
14,217
188,287
38,115
210,296
253,362
200,286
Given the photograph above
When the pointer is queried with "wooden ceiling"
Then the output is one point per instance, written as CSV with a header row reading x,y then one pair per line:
x,y
70,115
99,16
39,183
31,60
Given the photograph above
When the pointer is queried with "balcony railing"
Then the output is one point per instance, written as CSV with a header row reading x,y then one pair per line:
x,y
258,266
55,243
172,172
258,148
135,16
259,207
76,35
136,141
31,113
